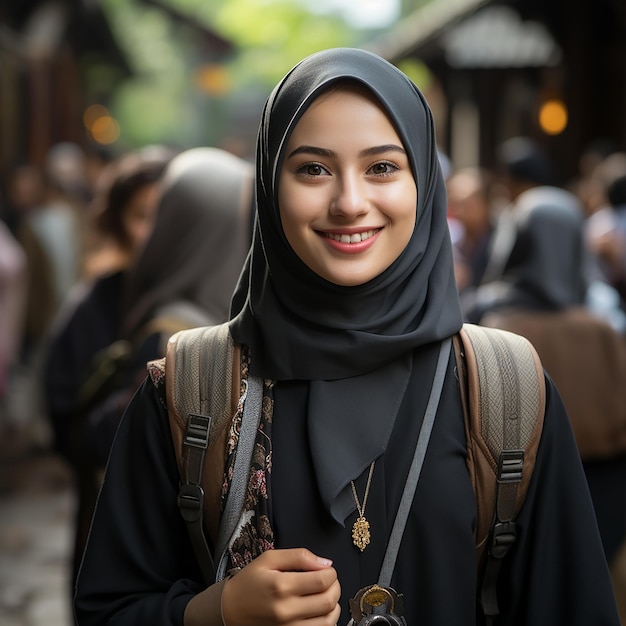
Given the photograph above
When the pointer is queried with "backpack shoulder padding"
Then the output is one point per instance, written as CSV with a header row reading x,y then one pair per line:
x,y
200,377
503,395
202,380
503,390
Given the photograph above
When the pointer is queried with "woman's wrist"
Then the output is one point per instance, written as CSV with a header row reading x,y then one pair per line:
x,y
205,609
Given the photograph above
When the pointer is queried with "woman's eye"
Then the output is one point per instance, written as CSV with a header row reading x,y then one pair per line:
x,y
311,169
384,167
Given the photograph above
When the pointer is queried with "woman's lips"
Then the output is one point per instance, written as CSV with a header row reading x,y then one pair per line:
x,y
352,238
352,243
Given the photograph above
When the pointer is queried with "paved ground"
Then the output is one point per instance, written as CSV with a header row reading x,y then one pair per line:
x,y
36,512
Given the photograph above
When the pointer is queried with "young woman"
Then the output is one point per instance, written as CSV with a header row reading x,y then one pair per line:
x,y
344,304
91,317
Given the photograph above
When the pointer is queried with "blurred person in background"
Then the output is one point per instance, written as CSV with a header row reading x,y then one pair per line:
x,y
66,164
589,186
183,277
606,228
541,293
12,304
97,158
90,319
58,224
122,213
187,271
469,207
524,169
23,194
51,227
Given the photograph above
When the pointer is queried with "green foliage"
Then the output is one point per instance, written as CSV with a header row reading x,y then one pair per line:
x,y
163,102
417,72
274,35
148,106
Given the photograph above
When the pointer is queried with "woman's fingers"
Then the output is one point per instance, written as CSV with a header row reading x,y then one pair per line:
x,y
283,587
294,560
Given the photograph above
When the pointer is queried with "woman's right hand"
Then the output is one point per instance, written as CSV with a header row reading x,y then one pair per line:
x,y
283,587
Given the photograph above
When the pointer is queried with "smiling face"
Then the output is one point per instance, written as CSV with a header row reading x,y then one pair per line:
x,y
346,194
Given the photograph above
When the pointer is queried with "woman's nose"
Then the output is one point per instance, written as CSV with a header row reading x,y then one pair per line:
x,y
349,197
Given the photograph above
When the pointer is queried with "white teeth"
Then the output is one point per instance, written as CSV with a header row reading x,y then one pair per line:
x,y
355,238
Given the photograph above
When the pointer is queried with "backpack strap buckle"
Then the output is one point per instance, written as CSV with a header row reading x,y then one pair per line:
x,y
190,498
197,431
504,536
510,466
190,493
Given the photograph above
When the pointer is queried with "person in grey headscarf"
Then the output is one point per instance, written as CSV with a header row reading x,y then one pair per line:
x,y
199,241
345,308
183,276
185,273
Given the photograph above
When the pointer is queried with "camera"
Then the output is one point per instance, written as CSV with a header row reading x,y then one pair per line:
x,y
377,605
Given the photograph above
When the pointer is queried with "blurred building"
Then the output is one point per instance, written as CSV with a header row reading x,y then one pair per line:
x,y
46,48
54,56
550,69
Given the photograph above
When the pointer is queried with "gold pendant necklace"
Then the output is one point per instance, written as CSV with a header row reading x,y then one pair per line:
x,y
361,528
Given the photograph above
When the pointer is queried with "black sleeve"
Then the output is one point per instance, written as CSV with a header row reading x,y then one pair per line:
x,y
88,322
557,573
138,567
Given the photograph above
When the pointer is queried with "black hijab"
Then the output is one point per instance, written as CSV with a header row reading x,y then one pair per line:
x,y
546,269
540,242
353,343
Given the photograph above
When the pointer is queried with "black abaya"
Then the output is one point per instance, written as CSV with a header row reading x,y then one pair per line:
x,y
139,567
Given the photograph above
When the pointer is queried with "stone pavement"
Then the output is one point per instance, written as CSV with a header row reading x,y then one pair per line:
x,y
36,521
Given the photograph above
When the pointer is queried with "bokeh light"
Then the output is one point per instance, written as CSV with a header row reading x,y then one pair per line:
x,y
553,117
103,128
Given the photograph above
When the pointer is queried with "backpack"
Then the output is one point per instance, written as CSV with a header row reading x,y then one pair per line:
x,y
502,389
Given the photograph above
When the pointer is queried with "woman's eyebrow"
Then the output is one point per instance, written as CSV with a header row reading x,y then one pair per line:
x,y
311,150
374,150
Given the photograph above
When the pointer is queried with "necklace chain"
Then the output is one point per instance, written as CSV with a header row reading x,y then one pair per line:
x,y
361,528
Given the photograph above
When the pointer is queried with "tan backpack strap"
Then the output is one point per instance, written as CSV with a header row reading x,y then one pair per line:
x,y
503,396
202,381
202,389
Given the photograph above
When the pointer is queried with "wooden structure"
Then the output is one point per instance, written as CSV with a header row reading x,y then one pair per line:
x,y
43,50
498,61
54,55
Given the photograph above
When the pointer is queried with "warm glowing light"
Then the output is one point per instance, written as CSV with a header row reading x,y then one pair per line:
x,y
105,130
93,113
553,117
212,79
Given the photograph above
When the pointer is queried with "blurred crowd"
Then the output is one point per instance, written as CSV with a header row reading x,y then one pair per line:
x,y
548,261
102,258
